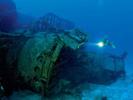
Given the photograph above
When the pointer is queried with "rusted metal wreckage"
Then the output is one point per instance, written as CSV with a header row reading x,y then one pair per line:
x,y
34,56
29,56
51,22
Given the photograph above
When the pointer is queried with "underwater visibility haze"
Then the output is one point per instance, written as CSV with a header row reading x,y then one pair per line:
x,y
66,49
99,17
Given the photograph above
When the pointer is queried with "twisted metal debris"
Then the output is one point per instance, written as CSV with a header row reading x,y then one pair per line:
x,y
51,22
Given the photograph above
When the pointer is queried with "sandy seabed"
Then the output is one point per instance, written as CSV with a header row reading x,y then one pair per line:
x,y
120,90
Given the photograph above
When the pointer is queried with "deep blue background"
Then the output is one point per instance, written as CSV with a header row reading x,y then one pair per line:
x,y
98,17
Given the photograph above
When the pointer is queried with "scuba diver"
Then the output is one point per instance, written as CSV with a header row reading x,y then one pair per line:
x,y
105,42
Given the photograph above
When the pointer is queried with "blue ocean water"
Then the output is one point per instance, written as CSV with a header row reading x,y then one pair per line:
x,y
98,17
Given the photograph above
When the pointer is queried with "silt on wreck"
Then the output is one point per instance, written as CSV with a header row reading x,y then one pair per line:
x,y
47,59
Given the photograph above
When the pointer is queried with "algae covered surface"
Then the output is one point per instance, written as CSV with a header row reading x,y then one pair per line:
x,y
66,50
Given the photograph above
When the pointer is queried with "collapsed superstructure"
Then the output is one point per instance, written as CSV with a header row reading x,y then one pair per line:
x,y
45,53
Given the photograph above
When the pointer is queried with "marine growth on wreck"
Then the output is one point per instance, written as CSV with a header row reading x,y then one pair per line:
x,y
48,56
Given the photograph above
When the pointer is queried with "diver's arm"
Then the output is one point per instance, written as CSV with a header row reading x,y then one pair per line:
x,y
111,44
